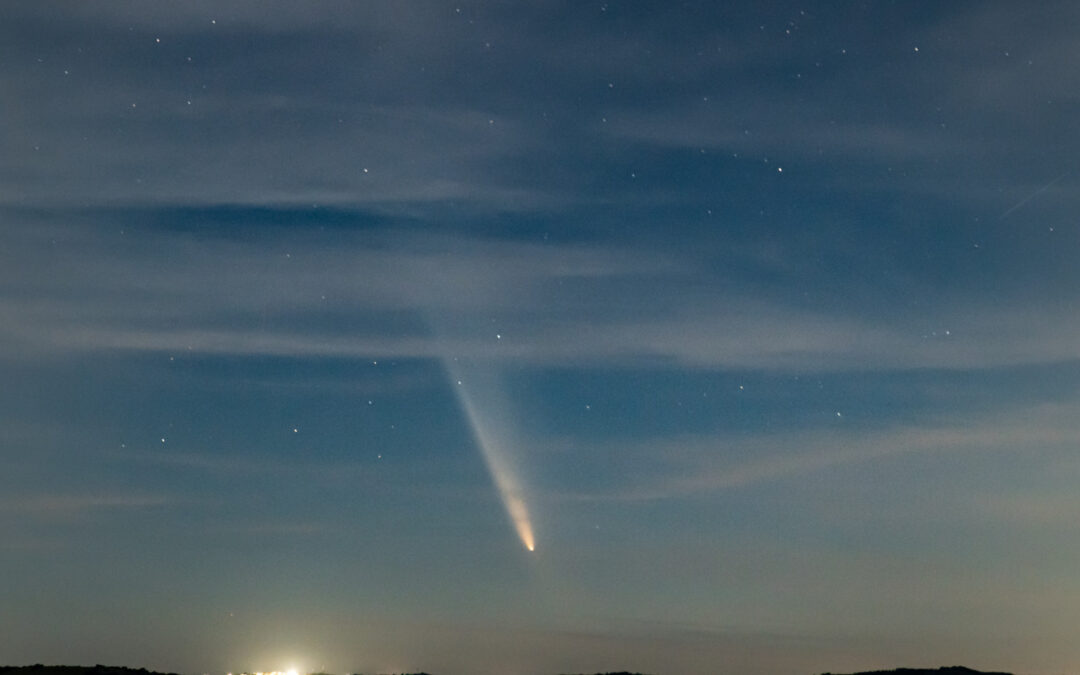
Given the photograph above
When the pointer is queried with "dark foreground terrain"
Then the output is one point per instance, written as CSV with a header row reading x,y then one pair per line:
x,y
949,670
39,669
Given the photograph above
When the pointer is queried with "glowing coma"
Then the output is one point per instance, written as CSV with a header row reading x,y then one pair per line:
x,y
505,481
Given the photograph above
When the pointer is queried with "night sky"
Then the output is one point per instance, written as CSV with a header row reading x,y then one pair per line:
x,y
759,321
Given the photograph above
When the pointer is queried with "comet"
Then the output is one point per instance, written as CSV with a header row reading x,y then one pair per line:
x,y
492,448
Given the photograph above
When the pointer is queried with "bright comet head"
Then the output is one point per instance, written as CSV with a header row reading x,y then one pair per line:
x,y
485,432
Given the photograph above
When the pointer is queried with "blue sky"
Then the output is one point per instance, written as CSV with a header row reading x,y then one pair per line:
x,y
763,314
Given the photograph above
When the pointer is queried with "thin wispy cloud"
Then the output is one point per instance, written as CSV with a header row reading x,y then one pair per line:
x,y
689,466
303,298
76,505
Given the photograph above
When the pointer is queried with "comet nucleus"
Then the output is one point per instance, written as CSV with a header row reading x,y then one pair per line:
x,y
492,447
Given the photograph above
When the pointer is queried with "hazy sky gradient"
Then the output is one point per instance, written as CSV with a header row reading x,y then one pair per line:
x,y
772,308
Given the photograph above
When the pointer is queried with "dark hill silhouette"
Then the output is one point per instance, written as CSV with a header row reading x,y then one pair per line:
x,y
39,669
946,670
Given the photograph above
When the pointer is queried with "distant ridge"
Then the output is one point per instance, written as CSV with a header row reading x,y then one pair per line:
x,y
39,669
945,670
